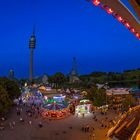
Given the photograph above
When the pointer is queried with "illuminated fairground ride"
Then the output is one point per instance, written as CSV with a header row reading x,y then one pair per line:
x,y
84,107
121,12
136,6
32,97
53,109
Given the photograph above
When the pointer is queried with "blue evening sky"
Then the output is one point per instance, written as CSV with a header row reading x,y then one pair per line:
x,y
64,29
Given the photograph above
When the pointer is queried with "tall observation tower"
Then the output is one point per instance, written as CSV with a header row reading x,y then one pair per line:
x,y
32,44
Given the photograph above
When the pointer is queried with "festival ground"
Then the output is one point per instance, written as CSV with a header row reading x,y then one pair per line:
x,y
65,129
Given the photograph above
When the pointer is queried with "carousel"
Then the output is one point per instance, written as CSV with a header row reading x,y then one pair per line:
x,y
53,109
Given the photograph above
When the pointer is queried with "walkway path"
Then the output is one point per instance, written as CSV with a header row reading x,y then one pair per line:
x,y
55,129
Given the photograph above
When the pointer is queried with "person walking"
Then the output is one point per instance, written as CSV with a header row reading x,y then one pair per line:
x,y
82,127
10,125
87,127
93,136
30,122
92,129
13,123
83,115
40,124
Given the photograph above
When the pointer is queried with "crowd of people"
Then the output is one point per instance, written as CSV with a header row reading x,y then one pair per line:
x,y
103,122
26,114
23,115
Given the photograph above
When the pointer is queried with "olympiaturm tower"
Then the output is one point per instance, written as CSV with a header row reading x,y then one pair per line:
x,y
32,44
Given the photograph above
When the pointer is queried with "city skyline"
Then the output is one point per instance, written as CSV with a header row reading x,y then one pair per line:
x,y
86,32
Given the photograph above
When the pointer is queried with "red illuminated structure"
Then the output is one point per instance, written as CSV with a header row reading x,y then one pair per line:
x,y
121,13
96,2
109,11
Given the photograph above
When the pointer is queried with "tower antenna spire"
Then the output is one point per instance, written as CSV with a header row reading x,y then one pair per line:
x,y
34,29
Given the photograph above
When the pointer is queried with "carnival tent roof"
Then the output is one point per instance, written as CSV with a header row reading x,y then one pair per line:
x,y
53,105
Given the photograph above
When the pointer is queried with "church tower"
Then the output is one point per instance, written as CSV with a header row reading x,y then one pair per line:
x,y
73,77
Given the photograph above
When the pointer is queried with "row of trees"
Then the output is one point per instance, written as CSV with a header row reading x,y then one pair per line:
x,y
127,78
9,90
58,79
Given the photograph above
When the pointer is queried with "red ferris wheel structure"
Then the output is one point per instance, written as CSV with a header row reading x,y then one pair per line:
x,y
121,12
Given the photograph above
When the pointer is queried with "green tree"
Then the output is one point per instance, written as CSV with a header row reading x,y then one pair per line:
x,y
11,87
23,81
58,78
129,101
139,82
98,96
5,101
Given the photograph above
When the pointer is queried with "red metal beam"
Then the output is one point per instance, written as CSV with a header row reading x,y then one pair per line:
x,y
121,13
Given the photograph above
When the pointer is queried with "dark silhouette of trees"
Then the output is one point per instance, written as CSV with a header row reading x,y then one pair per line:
x,y
98,96
58,79
9,90
5,101
11,87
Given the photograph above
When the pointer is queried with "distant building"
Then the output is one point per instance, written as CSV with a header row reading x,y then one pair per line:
x,y
136,94
45,79
116,97
118,91
102,86
11,74
73,76
42,79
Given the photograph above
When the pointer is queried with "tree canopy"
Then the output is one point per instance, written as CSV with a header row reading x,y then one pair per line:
x,y
11,87
9,90
98,96
58,79
127,78
5,101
